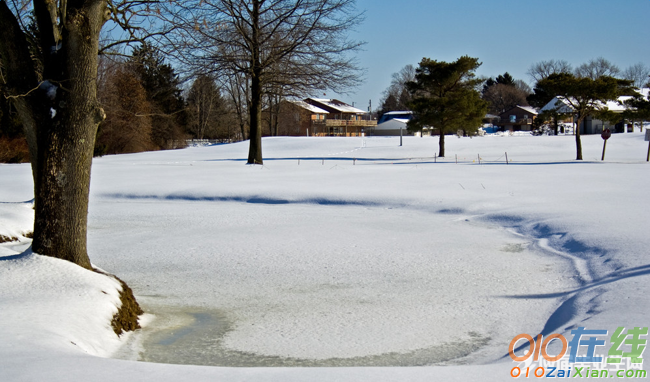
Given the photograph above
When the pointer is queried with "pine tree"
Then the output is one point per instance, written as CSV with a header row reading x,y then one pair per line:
x,y
445,97
127,127
164,92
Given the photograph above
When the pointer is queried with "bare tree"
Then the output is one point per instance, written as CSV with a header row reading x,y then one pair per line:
x,y
597,68
396,96
304,40
638,74
503,97
204,103
543,69
237,86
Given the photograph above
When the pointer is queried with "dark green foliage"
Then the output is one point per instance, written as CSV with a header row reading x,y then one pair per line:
x,y
540,97
504,93
503,79
164,92
638,109
445,97
585,95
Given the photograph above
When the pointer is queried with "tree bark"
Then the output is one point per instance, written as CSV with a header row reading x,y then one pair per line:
x,y
61,115
441,144
255,147
578,141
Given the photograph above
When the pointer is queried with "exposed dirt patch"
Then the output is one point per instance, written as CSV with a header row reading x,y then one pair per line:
x,y
7,239
126,318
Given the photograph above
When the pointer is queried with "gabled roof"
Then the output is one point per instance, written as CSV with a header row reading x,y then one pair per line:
x,y
528,109
563,106
334,104
311,108
558,103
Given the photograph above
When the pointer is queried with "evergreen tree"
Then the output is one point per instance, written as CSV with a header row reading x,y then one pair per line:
x,y
127,127
445,97
164,92
504,93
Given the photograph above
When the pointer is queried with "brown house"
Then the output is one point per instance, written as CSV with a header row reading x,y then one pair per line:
x,y
518,118
297,118
317,117
341,119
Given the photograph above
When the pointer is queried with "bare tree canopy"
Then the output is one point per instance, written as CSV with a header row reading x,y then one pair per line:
x,y
543,69
397,97
300,46
639,74
504,92
597,68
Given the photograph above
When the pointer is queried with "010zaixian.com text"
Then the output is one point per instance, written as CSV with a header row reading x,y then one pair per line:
x,y
582,357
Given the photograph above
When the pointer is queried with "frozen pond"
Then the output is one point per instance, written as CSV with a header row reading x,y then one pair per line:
x,y
304,284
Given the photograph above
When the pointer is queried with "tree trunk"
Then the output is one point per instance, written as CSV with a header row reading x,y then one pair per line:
x,y
255,146
66,143
441,144
578,141
61,115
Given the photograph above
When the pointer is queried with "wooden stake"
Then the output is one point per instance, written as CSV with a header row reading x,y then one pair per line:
x,y
507,158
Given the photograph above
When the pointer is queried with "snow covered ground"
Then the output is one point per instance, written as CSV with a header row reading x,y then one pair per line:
x,y
346,252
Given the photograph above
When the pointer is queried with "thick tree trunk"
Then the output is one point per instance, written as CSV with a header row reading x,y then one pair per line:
x,y
441,144
60,115
67,140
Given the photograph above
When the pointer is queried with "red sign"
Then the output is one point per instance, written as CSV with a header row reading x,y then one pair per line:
x,y
606,134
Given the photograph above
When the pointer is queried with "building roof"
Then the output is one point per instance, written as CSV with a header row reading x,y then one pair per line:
x,y
528,109
336,105
562,105
311,108
392,124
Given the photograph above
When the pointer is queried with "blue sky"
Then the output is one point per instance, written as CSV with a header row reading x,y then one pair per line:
x,y
506,35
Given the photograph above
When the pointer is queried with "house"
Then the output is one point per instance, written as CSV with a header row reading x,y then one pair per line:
x,y
590,124
317,117
394,123
341,119
518,118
